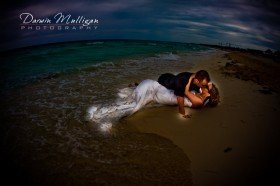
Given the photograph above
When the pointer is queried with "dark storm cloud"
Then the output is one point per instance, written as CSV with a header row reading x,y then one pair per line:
x,y
249,23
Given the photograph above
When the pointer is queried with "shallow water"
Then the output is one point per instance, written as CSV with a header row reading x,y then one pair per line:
x,y
46,136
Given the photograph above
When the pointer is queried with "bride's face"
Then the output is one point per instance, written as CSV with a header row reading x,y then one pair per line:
x,y
205,92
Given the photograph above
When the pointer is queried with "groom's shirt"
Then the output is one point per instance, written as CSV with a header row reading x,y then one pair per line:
x,y
177,83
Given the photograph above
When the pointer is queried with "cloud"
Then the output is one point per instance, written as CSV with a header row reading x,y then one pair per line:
x,y
237,26
246,22
186,23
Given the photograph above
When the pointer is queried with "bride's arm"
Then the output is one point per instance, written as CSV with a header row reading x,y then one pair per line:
x,y
196,101
180,101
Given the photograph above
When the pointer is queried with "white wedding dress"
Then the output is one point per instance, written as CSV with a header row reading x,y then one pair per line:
x,y
130,100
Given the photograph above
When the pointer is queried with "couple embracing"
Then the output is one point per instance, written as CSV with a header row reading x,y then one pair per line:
x,y
184,89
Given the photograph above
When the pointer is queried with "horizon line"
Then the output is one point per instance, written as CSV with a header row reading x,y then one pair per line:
x,y
85,40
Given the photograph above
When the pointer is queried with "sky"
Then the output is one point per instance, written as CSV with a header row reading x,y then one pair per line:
x,y
251,24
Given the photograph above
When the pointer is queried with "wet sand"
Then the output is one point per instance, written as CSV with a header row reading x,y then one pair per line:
x,y
81,155
235,143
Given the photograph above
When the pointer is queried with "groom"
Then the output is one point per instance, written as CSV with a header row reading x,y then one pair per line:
x,y
179,82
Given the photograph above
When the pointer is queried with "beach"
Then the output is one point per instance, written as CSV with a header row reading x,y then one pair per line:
x,y
47,139
235,143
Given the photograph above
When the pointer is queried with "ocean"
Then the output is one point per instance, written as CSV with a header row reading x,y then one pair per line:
x,y
46,91
32,63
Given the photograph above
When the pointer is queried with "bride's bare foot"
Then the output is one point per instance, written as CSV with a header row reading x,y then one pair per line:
x,y
135,84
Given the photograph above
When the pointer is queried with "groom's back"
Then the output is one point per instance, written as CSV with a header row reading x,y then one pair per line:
x,y
167,80
177,83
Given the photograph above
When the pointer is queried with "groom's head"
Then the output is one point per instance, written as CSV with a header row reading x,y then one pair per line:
x,y
201,78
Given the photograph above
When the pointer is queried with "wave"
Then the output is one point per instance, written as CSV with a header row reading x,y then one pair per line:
x,y
95,43
169,56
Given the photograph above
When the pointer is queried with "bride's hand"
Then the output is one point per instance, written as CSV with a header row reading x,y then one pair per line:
x,y
187,116
190,81
192,76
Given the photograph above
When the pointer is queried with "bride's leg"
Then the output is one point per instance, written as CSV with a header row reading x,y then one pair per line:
x,y
143,94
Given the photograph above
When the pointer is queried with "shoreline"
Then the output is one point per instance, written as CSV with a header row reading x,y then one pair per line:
x,y
226,144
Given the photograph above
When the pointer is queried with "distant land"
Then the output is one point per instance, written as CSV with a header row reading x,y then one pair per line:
x,y
267,53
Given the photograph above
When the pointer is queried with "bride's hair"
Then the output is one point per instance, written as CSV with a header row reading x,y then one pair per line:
x,y
214,96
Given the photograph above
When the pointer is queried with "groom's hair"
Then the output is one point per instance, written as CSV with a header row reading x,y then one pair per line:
x,y
201,75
